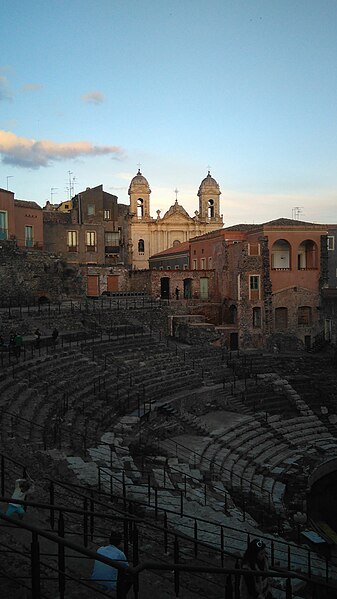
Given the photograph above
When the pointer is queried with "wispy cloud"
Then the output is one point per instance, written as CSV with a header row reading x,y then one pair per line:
x,y
32,87
30,153
5,91
94,97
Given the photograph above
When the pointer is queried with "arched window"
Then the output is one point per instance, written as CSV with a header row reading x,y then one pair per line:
x,y
233,314
210,209
176,242
140,208
307,255
304,316
257,318
281,318
141,246
280,255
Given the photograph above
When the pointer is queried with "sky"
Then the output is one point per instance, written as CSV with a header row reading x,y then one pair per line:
x,y
91,89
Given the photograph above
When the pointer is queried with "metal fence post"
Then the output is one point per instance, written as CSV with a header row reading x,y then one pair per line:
x,y
61,557
35,566
176,561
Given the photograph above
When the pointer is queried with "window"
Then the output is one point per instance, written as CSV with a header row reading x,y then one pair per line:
x,y
111,242
177,267
140,208
28,236
210,262
257,318
106,214
254,287
203,263
195,264
72,241
210,209
176,243
91,209
91,241
141,246
185,267
304,316
281,318
253,249
3,224
331,242
168,267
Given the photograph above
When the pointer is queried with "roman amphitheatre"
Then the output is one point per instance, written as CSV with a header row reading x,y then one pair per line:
x,y
190,450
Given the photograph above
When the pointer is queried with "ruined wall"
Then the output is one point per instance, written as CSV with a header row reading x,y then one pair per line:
x,y
26,275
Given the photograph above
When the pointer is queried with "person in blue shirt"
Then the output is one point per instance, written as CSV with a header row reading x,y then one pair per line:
x,y
106,575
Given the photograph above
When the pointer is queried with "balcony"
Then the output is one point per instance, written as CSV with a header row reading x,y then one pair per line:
x,y
112,249
281,269
91,248
72,248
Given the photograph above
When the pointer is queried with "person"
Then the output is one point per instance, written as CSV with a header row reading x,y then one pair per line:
x,y
255,586
37,336
103,574
55,335
17,345
23,487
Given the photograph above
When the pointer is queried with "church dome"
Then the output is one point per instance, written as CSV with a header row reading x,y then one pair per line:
x,y
207,184
139,182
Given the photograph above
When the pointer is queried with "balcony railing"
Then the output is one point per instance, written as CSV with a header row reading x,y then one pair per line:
x,y
91,248
112,249
286,268
72,248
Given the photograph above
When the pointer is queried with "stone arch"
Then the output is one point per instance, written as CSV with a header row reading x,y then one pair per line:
x,y
281,255
141,246
307,255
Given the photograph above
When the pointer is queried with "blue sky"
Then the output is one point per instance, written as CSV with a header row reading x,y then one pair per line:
x,y
248,88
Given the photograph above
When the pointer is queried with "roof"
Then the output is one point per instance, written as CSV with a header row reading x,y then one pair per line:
x,y
176,249
27,204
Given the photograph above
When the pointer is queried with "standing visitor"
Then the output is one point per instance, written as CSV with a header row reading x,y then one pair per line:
x,y
23,487
255,586
103,574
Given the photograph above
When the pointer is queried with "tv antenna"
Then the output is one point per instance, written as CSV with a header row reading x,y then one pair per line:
x,y
296,211
52,193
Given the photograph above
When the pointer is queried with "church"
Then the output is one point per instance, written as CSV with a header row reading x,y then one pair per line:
x,y
149,235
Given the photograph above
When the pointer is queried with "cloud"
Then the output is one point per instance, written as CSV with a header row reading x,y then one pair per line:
x,y
32,87
29,153
5,92
93,97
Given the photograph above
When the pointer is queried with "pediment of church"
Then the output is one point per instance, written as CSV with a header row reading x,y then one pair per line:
x,y
177,214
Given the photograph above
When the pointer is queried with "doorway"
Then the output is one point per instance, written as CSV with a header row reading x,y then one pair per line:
x,y
165,288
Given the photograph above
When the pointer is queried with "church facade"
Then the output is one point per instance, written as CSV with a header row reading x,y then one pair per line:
x,y
149,235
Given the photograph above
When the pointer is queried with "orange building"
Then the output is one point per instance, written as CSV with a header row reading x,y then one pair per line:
x,y
20,221
268,278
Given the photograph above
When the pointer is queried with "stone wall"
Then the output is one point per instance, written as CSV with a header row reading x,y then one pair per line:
x,y
25,275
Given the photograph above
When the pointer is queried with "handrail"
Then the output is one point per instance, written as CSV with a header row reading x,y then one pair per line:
x,y
133,571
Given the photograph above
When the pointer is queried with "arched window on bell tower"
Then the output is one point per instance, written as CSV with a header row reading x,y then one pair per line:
x,y
140,208
210,209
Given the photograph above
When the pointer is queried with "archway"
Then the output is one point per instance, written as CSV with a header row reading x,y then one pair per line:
x,y
307,255
280,255
165,288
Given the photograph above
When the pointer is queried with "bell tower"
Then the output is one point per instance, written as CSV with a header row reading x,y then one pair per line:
x,y
139,192
209,200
